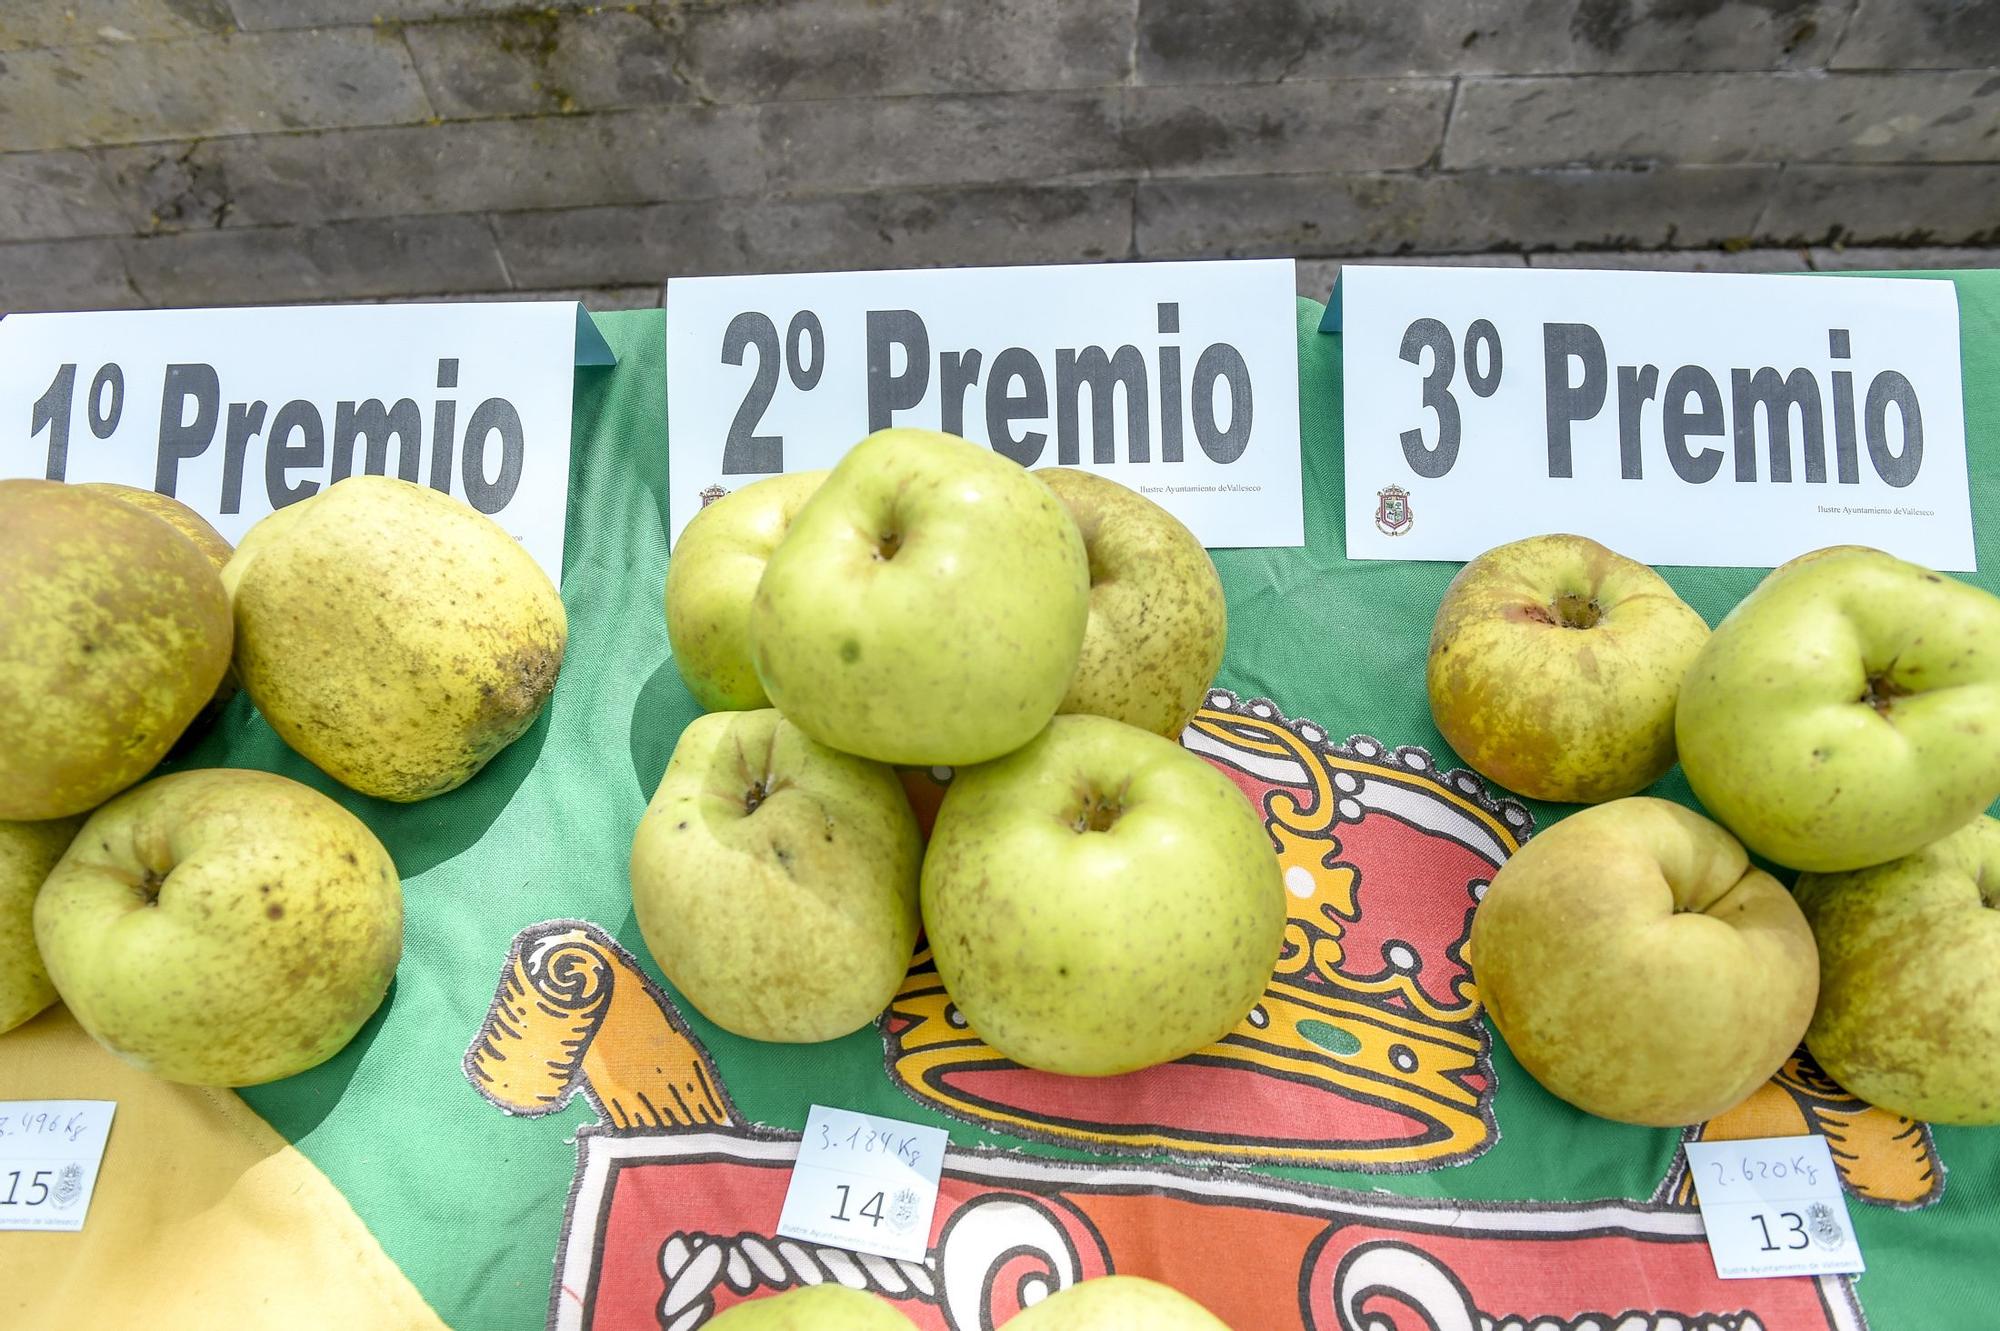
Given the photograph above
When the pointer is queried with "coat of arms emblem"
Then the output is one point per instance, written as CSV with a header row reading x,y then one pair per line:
x,y
1392,513
711,494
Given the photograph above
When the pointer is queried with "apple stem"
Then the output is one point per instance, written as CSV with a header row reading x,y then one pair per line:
x,y
888,544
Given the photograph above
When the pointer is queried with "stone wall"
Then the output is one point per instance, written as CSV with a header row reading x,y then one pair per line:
x,y
163,152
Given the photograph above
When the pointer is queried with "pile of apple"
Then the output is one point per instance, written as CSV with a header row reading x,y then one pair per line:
x,y
1843,720
1097,898
226,927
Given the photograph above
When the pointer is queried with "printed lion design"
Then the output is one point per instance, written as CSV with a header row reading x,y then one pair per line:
x,y
1882,1157
1367,1052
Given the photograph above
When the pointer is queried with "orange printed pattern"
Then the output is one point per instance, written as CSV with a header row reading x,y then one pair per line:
x,y
1882,1156
574,1013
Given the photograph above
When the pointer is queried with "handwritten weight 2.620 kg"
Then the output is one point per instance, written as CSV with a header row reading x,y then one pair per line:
x,y
1753,1171
873,1141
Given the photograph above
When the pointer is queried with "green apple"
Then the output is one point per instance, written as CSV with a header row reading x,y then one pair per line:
x,y
827,1307
1116,1303
1846,712
711,580
222,927
114,632
394,636
1909,978
27,852
1157,621
775,879
1101,900
927,605
1640,967
1554,666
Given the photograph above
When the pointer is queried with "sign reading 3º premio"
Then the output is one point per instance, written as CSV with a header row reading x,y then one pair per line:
x,y
1679,418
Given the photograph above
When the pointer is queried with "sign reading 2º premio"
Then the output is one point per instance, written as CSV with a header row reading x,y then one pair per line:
x,y
1179,380
1679,418
240,412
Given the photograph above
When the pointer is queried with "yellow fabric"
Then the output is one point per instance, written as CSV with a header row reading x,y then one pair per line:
x,y
203,1217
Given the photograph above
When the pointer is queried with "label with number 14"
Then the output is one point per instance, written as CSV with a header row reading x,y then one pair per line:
x,y
865,1183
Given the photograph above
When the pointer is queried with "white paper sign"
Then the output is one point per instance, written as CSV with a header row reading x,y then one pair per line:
x,y
1179,380
50,1151
240,412
1773,1207
1679,418
864,1183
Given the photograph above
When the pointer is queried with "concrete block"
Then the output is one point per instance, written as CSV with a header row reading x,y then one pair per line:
x,y
594,299
131,92
1884,205
798,49
898,142
39,275
54,196
1294,126
1921,34
1399,213
541,61
257,14
1920,258
1256,41
83,22
455,167
1316,276
915,229
402,257
1724,119
1681,261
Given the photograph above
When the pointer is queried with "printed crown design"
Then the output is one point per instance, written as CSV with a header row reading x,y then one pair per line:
x,y
1366,1052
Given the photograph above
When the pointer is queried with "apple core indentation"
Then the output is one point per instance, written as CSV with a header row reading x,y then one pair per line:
x,y
1881,692
1096,813
887,544
1577,610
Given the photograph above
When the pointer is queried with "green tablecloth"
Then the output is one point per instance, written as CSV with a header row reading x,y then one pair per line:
x,y
472,1201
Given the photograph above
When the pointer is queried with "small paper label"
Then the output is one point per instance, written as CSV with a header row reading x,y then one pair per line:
x,y
865,1183
1773,1207
49,1154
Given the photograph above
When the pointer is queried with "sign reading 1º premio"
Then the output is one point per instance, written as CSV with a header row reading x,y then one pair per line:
x,y
238,413
1179,380
1706,419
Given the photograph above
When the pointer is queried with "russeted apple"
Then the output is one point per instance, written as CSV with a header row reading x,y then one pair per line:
x,y
926,606
394,636
1101,900
28,851
1158,624
1640,967
775,879
711,580
1116,1303
1909,978
222,927
1554,667
1846,711
206,539
114,632
824,1307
